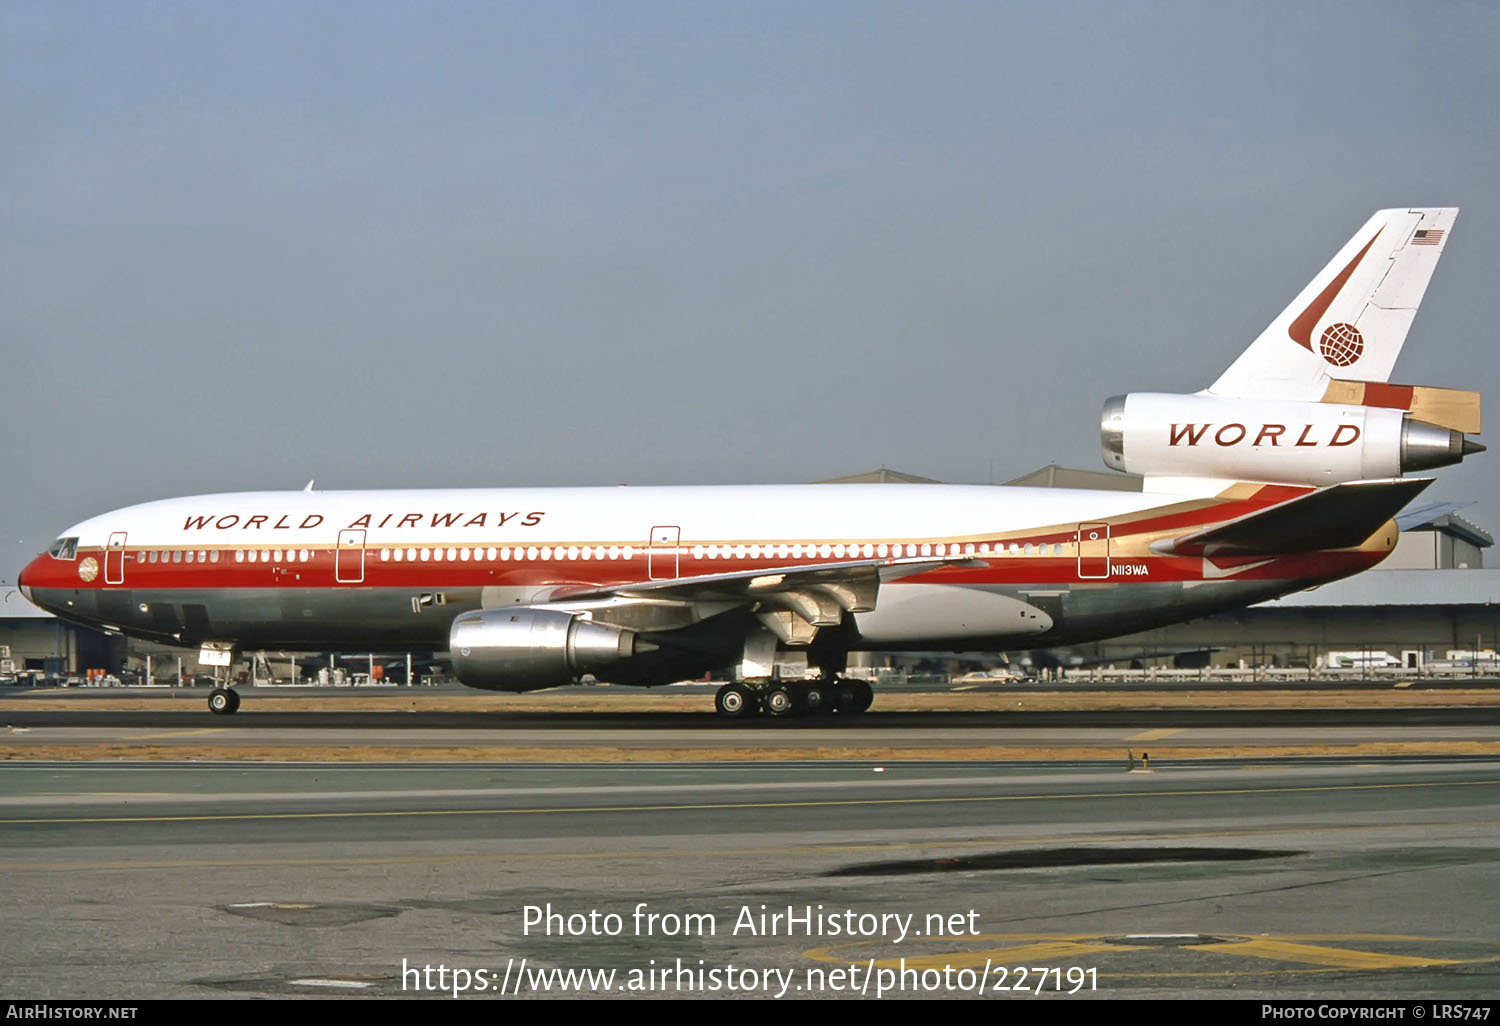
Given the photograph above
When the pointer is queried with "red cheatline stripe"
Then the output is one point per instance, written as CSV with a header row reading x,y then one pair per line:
x,y
1395,397
1301,329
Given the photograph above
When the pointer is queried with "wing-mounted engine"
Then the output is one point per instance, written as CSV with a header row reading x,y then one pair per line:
x,y
1284,441
526,648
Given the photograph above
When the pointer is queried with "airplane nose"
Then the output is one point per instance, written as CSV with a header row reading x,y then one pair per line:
x,y
27,578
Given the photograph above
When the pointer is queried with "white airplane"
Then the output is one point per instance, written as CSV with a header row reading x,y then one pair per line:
x,y
1284,473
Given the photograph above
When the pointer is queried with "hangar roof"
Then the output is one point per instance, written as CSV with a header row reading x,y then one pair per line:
x,y
1400,588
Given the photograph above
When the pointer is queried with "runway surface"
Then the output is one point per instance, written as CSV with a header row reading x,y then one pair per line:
x,y
1287,879
1295,845
583,725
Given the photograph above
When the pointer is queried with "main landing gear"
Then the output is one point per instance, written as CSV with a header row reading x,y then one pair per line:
x,y
223,701
793,698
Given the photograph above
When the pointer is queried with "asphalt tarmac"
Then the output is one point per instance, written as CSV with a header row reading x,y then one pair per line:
x,y
1320,878
601,724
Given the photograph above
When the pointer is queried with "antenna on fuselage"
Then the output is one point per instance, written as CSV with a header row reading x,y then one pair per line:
x,y
309,484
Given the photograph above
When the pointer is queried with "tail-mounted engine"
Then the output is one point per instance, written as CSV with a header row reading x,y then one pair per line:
x,y
1287,442
527,648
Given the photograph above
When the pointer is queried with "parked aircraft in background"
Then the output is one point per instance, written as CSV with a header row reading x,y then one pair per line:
x,y
1284,473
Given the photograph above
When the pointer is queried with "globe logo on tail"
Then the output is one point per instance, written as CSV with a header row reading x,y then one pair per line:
x,y
1341,344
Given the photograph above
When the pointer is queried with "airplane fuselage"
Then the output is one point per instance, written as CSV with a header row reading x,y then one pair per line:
x,y
990,567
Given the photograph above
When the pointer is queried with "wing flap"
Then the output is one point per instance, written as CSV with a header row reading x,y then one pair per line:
x,y
1338,517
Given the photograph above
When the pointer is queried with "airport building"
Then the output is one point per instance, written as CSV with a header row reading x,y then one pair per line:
x,y
38,644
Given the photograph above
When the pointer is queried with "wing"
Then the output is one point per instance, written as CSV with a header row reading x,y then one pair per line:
x,y
792,601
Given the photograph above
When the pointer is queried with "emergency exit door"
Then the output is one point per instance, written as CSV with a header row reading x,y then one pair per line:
x,y
1093,552
661,556
114,559
349,560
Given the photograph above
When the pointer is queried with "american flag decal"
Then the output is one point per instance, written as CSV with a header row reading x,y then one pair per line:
x,y
1427,237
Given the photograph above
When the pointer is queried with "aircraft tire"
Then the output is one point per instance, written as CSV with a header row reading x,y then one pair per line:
x,y
223,701
734,701
863,696
841,696
811,698
778,701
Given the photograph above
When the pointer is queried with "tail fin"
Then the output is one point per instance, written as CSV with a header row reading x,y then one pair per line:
x,y
1351,320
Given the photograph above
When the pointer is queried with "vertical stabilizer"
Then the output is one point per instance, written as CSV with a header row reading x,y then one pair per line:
x,y
1351,320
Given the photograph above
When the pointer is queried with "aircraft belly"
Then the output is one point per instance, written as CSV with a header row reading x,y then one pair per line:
x,y
1089,614
310,618
911,613
956,618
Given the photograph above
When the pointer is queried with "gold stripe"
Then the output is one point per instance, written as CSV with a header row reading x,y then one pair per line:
x,y
1044,952
1317,954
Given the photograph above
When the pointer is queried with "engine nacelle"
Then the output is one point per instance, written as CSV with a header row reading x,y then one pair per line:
x,y
1279,441
527,648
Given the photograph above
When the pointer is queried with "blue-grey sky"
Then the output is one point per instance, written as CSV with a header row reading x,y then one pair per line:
x,y
432,244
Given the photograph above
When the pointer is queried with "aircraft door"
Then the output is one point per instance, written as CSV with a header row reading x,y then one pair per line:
x,y
661,556
349,560
114,559
1093,552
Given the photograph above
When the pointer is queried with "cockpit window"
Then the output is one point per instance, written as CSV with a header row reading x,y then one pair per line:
x,y
64,548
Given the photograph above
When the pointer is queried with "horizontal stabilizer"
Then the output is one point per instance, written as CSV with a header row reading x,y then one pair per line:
x,y
1428,512
1338,517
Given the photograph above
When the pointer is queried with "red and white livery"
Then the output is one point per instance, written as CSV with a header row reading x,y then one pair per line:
x,y
1285,473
